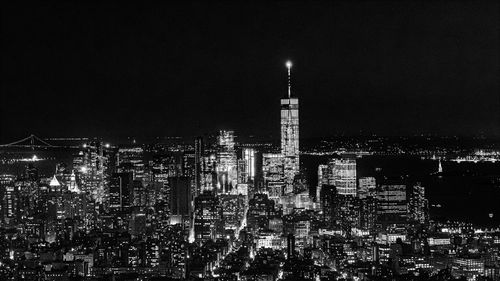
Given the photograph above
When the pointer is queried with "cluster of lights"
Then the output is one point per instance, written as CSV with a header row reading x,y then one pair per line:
x,y
106,145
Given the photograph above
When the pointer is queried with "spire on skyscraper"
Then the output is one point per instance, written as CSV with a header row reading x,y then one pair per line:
x,y
289,66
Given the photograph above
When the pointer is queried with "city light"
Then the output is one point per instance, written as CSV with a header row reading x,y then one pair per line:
x,y
370,163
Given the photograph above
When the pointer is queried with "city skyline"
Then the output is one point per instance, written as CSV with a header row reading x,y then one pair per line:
x,y
286,141
432,66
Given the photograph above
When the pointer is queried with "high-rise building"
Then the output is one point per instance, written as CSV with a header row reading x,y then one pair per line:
x,y
322,180
92,164
227,172
167,165
418,204
290,135
31,173
368,213
340,173
344,175
130,159
273,170
199,152
367,187
207,217
9,196
348,212
260,209
139,195
137,223
175,250
328,196
209,173
233,207
180,196
392,205
249,159
188,169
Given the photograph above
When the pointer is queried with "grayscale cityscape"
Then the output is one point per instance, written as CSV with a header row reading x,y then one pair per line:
x,y
350,140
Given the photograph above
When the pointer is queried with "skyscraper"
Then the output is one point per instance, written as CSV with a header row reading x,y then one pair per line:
x,y
226,161
9,198
198,162
273,175
207,216
249,158
392,203
290,134
344,175
180,196
367,187
418,204
92,164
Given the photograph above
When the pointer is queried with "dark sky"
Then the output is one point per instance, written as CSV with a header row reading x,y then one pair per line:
x,y
378,67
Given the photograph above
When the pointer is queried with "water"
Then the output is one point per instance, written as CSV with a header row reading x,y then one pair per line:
x,y
48,159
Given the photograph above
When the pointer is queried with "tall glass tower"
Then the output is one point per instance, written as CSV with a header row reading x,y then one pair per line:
x,y
290,135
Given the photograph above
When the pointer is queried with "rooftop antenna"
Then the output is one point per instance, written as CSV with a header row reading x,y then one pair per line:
x,y
289,66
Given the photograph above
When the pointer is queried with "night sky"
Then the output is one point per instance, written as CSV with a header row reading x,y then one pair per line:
x,y
388,68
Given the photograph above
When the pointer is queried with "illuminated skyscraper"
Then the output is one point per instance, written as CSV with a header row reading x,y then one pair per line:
x,y
227,172
249,159
418,204
273,175
207,216
9,199
392,203
344,175
366,187
119,191
290,134
322,180
92,163
233,207
208,176
130,159
198,163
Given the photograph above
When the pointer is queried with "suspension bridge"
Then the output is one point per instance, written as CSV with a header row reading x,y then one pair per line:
x,y
31,141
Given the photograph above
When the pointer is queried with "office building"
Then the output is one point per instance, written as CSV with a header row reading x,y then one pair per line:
x,y
392,203
344,176
180,196
367,187
227,175
207,217
290,135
